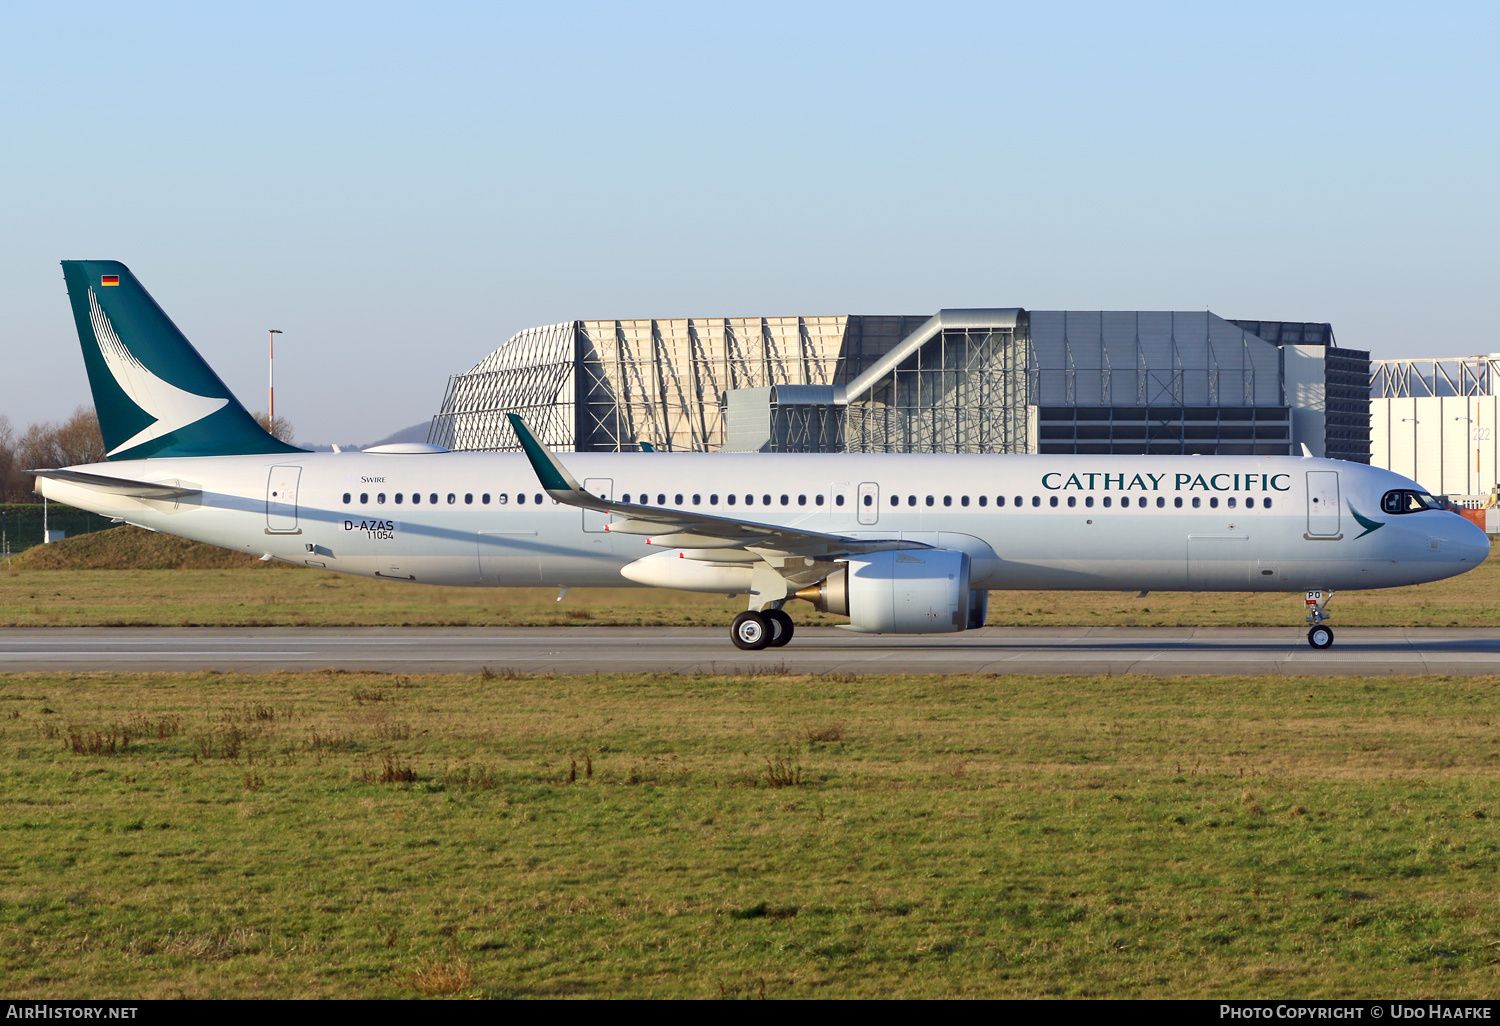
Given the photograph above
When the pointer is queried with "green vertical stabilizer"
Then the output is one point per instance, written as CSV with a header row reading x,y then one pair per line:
x,y
154,394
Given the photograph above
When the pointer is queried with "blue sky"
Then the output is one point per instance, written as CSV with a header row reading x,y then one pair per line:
x,y
401,187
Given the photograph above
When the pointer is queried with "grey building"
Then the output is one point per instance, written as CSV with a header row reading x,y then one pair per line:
x,y
989,380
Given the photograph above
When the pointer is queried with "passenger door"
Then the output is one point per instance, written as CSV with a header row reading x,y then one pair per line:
x,y
869,503
281,500
604,487
1323,504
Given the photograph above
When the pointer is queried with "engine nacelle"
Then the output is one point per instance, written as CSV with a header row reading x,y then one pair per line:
x,y
908,591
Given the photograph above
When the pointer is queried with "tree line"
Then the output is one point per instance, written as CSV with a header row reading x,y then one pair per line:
x,y
65,444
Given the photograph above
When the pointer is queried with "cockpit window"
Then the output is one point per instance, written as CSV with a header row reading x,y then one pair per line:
x,y
1402,501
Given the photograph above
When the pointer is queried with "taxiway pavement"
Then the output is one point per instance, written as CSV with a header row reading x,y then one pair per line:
x,y
1070,650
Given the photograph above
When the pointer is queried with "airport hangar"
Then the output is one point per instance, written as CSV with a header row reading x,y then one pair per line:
x,y
1002,380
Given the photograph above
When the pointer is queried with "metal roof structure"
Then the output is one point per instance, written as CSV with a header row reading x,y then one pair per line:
x,y
961,380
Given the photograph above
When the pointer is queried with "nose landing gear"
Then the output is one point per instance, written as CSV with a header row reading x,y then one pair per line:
x,y
1319,636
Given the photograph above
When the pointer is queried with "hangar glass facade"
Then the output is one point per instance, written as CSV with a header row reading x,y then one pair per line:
x,y
991,380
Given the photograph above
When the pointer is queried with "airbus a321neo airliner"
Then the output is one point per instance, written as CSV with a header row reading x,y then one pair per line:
x,y
900,544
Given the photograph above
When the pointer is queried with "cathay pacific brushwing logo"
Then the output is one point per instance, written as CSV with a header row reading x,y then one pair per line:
x,y
172,407
1365,522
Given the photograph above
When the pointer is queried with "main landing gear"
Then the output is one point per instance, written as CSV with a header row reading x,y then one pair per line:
x,y
1318,636
754,631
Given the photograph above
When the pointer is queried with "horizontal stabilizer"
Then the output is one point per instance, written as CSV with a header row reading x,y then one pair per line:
x,y
117,485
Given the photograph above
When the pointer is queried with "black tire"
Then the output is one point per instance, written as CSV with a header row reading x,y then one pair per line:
x,y
1320,637
750,631
782,628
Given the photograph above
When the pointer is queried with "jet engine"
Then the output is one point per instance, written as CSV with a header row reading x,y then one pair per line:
x,y
908,591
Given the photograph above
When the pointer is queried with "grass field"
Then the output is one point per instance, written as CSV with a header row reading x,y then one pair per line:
x,y
173,583
341,835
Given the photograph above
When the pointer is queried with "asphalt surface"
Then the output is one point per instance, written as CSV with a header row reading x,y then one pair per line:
x,y
1080,650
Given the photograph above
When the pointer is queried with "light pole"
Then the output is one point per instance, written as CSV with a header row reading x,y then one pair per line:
x,y
271,344
1470,431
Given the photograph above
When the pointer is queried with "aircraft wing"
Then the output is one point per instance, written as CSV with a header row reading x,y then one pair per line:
x,y
117,485
689,529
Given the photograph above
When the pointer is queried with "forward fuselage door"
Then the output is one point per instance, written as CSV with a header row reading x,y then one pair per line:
x,y
869,503
281,500
604,487
1323,504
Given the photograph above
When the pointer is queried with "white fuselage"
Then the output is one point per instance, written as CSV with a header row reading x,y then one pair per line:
x,y
1194,523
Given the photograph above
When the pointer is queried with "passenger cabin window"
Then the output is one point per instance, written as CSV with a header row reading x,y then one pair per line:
x,y
713,500
1089,501
468,498
454,498
398,498
433,498
416,497
947,500
521,497
985,499
1106,502
895,500
1054,500
1213,503
964,501
930,500
502,499
911,500
380,499
818,499
661,500
1177,502
677,500
1197,502
1161,502
1230,502
1072,501
838,500
1036,500
802,500
364,498
346,498
485,498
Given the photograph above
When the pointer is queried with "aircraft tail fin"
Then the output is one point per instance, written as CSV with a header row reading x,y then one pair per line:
x,y
154,393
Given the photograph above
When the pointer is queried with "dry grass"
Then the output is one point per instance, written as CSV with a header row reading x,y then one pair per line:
x,y
239,593
667,835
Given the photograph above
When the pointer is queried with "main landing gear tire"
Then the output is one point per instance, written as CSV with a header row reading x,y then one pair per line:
x,y
751,631
782,627
1320,637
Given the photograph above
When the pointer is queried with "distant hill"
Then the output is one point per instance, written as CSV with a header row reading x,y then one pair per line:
x,y
415,433
131,548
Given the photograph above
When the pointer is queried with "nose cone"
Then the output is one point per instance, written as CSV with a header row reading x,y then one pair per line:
x,y
1466,542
